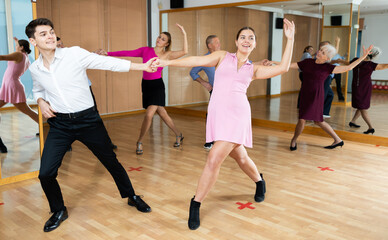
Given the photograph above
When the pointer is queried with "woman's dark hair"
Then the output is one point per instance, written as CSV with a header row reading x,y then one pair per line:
x,y
168,41
245,28
306,49
30,28
26,45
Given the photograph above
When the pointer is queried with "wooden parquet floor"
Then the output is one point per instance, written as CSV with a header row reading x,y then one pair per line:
x,y
302,200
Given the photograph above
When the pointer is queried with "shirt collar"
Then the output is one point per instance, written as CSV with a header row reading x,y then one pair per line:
x,y
249,62
59,53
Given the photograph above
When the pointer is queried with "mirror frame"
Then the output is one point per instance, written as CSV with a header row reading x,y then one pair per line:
x,y
33,174
346,135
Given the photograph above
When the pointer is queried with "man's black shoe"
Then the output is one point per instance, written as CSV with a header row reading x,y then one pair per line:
x,y
55,220
139,204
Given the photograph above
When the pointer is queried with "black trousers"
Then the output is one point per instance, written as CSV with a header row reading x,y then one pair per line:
x,y
88,129
329,95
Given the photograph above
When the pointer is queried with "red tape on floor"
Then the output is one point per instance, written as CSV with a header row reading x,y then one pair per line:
x,y
134,169
325,168
246,205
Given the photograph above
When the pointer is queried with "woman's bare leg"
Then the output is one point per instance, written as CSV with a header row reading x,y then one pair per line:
x,y
327,128
356,116
245,163
365,116
145,126
167,119
24,108
215,158
298,130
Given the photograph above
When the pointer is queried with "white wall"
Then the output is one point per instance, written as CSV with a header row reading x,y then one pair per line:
x,y
376,33
277,52
197,3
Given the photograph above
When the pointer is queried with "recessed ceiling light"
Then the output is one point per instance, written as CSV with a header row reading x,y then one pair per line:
x,y
330,12
282,6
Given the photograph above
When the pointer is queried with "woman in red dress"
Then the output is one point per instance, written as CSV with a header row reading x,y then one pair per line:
x,y
362,88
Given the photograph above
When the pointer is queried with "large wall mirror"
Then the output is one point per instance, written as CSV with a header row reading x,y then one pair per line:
x,y
315,22
18,131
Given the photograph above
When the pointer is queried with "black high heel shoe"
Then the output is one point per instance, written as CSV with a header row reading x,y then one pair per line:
x,y
353,125
340,144
178,143
293,148
372,130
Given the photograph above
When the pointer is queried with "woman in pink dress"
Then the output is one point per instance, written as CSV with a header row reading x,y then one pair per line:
x,y
152,85
229,114
12,90
315,71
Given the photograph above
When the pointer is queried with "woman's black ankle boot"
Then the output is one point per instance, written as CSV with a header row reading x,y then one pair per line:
x,y
194,214
260,190
3,148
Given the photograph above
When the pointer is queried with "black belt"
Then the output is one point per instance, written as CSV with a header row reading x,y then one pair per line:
x,y
76,114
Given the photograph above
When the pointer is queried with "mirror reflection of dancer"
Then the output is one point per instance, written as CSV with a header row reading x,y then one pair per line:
x,y
229,113
152,85
62,91
12,90
362,88
315,72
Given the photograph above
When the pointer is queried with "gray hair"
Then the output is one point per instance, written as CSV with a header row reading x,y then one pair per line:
x,y
329,50
374,53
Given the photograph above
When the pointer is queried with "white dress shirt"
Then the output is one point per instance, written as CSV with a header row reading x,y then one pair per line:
x,y
65,86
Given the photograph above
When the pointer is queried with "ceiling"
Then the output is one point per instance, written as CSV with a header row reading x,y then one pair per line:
x,y
314,6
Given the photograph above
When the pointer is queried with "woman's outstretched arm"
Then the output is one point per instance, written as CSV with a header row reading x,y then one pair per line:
x,y
293,65
16,56
185,50
381,66
341,69
210,60
262,72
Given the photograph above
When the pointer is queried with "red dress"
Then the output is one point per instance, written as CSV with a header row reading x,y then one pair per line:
x,y
362,84
312,92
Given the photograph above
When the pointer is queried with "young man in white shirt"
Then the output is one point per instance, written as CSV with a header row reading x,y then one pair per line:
x,y
61,88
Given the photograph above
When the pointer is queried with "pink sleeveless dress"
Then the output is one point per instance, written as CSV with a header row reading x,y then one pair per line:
x,y
229,112
12,90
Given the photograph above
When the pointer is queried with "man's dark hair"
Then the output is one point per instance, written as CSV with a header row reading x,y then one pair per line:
x,y
209,39
30,28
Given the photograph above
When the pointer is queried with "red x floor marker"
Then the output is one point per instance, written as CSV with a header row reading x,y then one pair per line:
x,y
246,205
134,169
377,145
1,203
325,168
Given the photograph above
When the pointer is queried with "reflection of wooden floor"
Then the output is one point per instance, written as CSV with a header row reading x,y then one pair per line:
x,y
18,133
302,202
283,109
